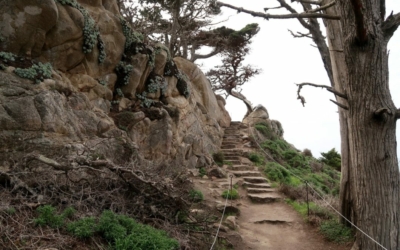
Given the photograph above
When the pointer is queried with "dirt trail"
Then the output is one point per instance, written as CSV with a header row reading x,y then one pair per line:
x,y
265,220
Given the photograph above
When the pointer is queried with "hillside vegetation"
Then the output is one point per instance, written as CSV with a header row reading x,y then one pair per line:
x,y
300,176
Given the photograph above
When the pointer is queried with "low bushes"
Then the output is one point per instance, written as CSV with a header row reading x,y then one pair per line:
x,y
196,195
219,158
334,231
256,158
230,194
120,231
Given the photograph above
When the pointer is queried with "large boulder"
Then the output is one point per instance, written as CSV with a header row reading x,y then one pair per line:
x,y
260,115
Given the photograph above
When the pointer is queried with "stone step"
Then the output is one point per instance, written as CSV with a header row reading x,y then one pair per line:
x,y
246,173
256,185
230,143
231,132
231,136
255,179
234,162
241,167
232,151
232,140
260,190
264,198
231,158
228,146
234,128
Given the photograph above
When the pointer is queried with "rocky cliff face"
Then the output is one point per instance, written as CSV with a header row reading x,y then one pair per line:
x,y
107,93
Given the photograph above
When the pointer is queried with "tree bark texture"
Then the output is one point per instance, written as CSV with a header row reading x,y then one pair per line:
x,y
373,172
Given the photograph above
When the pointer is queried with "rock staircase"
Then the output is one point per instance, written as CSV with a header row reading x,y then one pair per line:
x,y
257,186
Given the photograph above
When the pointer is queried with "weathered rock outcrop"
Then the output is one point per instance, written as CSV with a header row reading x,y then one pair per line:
x,y
260,115
168,115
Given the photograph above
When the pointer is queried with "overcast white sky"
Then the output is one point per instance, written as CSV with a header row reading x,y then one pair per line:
x,y
285,61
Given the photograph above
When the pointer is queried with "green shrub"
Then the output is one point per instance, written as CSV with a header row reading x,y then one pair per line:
x,y
275,172
230,194
83,228
301,207
276,147
315,210
124,233
219,158
196,195
10,210
68,212
256,158
202,172
332,158
334,231
265,130
295,159
146,237
110,227
48,217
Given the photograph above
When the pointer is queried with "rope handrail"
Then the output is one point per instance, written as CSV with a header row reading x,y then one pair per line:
x,y
220,223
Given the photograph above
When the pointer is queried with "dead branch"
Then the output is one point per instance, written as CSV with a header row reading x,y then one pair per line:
x,y
47,161
390,25
103,163
281,16
300,35
339,104
330,89
309,2
272,8
314,29
326,6
17,182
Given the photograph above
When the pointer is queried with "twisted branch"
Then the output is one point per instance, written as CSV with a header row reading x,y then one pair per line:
x,y
330,89
277,16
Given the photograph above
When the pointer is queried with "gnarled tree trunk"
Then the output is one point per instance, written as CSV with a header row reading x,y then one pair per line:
x,y
374,174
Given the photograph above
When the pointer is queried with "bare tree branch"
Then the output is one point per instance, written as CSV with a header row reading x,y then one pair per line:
x,y
98,163
390,25
315,30
309,2
48,161
283,16
300,35
330,89
340,105
322,7
272,8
